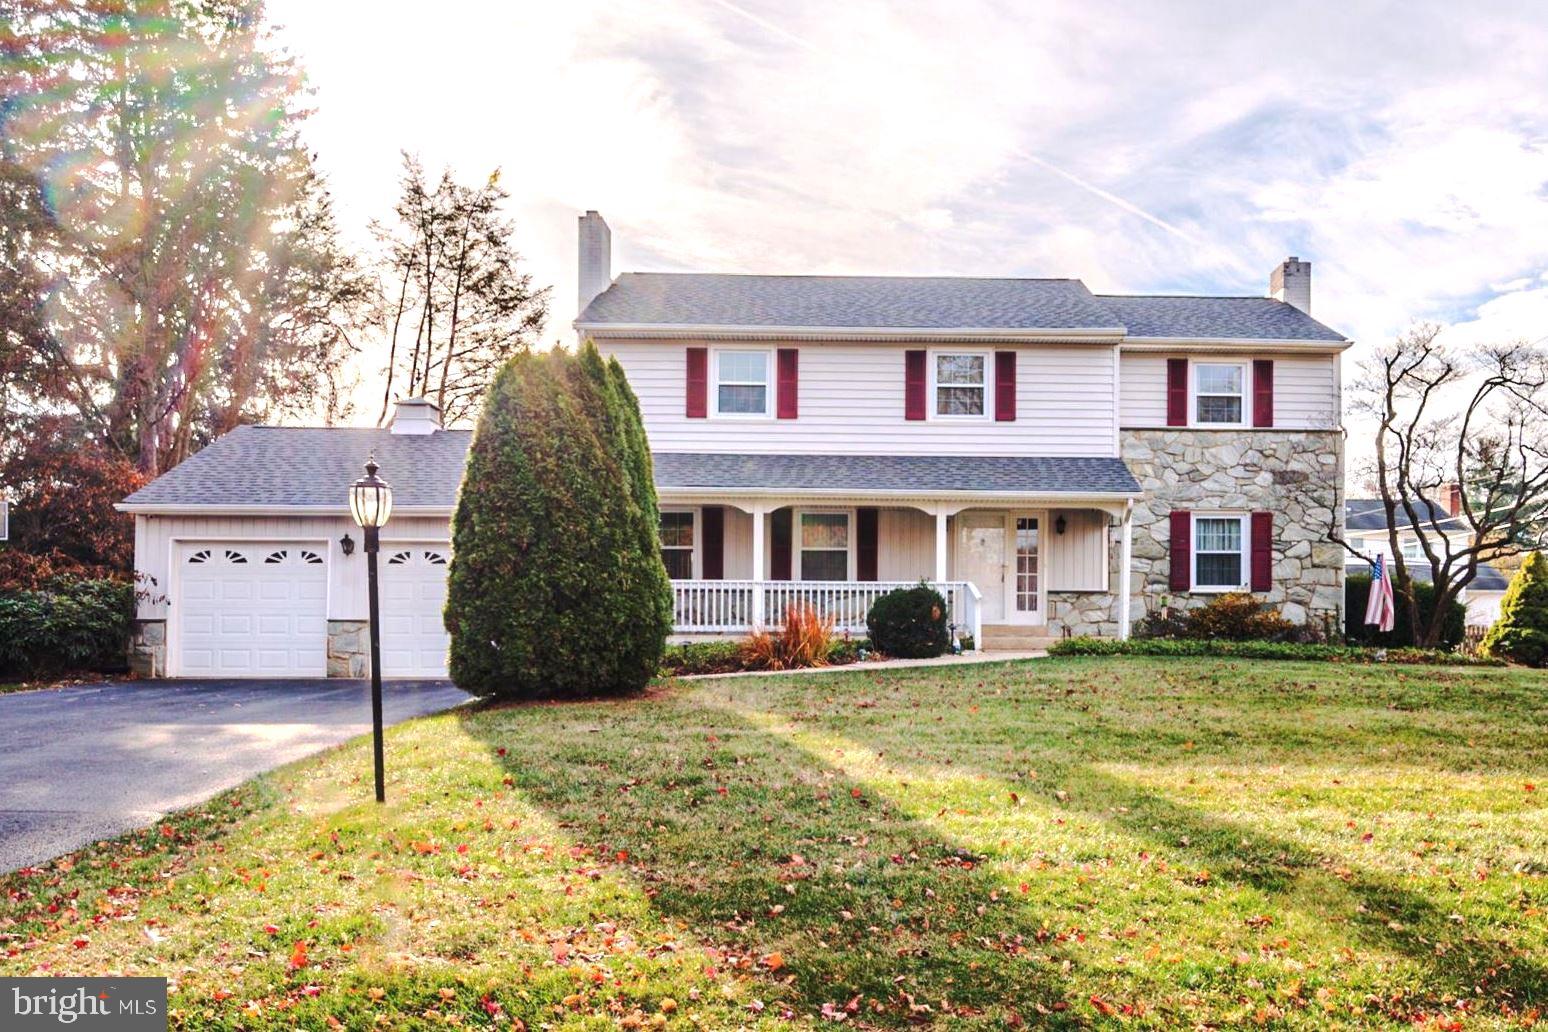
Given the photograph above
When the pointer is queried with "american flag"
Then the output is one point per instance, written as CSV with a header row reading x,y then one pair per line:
x,y
1379,608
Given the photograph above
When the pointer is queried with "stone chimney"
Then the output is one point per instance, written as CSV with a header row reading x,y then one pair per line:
x,y
1291,283
416,416
596,258
1451,498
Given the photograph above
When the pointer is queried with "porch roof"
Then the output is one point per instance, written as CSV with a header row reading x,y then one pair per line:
x,y
895,474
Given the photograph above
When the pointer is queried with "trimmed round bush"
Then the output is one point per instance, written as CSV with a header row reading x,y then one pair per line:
x,y
1357,590
556,587
1520,635
909,623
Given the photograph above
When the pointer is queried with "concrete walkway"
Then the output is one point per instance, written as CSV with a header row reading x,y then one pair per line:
x,y
967,659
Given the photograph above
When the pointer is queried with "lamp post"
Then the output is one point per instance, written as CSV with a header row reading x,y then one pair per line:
x,y
370,502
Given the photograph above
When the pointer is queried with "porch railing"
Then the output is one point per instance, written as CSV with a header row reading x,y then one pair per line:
x,y
738,606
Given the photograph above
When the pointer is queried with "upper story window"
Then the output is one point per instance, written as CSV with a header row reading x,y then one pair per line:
x,y
824,540
961,384
742,383
1357,543
677,543
1411,549
1219,392
1219,553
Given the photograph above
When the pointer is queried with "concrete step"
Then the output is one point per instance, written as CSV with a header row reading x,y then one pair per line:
x,y
1015,638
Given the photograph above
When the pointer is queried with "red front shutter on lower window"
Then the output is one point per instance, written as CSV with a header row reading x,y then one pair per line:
x,y
1262,551
779,541
698,383
1263,392
913,385
1005,386
1177,392
1182,550
788,361
866,545
712,525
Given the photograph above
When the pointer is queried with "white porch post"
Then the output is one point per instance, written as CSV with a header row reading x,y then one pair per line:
x,y
1125,573
759,565
940,546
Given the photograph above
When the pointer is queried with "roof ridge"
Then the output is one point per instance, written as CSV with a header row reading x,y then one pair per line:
x,y
1196,297
860,275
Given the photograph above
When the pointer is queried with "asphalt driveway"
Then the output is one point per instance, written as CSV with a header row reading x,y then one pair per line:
x,y
86,763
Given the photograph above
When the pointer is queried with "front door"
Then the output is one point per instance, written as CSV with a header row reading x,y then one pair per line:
x,y
1026,596
981,557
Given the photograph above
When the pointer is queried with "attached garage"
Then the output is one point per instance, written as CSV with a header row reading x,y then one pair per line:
x,y
249,564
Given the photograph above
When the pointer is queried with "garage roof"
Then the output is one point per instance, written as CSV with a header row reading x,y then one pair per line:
x,y
269,467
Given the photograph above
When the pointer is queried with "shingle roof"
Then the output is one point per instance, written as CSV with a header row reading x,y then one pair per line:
x,y
926,473
1371,514
314,466
285,466
1489,578
937,303
872,302
1208,318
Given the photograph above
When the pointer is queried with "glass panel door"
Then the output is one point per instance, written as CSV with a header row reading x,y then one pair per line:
x,y
1027,598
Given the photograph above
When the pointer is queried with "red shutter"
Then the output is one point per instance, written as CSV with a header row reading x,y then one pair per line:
x,y
1262,551
913,385
789,379
1263,392
1005,386
698,383
779,553
1182,550
712,527
1177,392
865,544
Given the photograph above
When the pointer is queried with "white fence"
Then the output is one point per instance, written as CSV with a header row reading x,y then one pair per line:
x,y
738,606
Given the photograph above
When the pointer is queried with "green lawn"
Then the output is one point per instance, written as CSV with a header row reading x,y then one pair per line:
x,y
1081,842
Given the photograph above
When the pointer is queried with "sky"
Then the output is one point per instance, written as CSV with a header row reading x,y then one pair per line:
x,y
1161,148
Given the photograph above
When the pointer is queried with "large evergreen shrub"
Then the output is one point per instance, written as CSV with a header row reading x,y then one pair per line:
x,y
1357,590
909,623
556,585
67,625
1521,633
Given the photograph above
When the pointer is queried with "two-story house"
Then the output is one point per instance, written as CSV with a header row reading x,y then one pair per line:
x,y
1365,524
1056,461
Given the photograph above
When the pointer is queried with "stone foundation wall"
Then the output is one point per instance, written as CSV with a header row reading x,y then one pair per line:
x,y
148,648
1298,476
349,648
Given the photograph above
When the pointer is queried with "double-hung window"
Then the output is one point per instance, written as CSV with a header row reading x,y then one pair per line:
x,y
742,383
1219,552
1411,549
677,543
1220,393
824,544
961,384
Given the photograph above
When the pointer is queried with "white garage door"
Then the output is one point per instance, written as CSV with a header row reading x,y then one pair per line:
x,y
251,610
413,593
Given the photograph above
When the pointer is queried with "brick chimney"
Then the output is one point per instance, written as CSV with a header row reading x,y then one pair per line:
x,y
596,258
1451,498
1290,282
416,416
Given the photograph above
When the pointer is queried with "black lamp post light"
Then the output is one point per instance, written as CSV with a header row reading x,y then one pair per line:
x,y
370,502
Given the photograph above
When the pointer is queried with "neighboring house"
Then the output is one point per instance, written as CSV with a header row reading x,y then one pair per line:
x,y
1055,461
1365,528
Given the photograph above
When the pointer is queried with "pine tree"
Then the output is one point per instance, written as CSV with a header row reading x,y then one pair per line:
x,y
1521,633
556,586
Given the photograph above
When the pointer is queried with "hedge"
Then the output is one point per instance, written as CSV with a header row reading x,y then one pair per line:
x,y
1357,590
75,625
1183,647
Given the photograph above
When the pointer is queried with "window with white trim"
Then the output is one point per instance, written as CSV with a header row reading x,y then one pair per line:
x,y
1219,552
1220,393
1357,543
742,383
677,543
1411,549
961,383
824,546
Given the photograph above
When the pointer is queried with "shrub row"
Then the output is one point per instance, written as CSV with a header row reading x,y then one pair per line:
x,y
1181,647
66,626
725,657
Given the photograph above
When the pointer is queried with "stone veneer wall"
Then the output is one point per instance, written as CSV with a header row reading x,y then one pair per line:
x,y
1296,475
349,648
148,648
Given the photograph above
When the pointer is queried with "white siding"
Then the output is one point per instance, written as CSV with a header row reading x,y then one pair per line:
x,y
851,401
1077,559
1305,389
905,545
154,536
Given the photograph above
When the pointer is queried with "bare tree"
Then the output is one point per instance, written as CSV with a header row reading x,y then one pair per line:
x,y
1473,416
